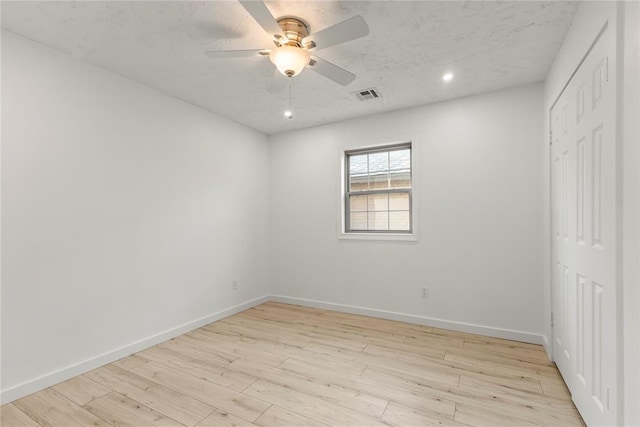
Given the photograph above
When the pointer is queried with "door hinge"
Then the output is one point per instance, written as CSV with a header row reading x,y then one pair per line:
x,y
552,320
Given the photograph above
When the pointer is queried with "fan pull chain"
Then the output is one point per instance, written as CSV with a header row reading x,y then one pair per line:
x,y
289,113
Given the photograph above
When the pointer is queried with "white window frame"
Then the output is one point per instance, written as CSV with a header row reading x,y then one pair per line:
x,y
387,235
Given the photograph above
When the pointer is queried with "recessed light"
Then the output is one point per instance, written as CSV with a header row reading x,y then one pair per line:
x,y
447,77
288,114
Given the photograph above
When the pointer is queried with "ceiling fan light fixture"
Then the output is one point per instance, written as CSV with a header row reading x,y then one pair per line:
x,y
289,60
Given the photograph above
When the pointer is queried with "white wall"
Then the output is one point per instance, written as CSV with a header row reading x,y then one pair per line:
x,y
125,214
479,190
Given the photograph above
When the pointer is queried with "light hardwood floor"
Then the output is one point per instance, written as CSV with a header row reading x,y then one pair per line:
x,y
286,365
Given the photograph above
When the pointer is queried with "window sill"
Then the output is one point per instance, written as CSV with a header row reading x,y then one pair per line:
x,y
385,237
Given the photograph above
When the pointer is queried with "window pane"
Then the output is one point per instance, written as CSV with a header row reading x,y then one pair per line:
x,y
379,181
400,159
358,203
399,220
400,179
379,189
358,221
359,183
378,162
378,220
399,201
358,165
378,202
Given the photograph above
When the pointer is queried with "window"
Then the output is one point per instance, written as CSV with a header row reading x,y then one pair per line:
x,y
378,190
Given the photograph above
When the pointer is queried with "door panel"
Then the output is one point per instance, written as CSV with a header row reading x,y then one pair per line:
x,y
583,225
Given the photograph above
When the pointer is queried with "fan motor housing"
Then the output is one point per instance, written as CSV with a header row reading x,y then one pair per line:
x,y
295,29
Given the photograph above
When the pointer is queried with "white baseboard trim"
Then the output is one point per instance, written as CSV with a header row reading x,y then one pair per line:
x,y
12,393
420,320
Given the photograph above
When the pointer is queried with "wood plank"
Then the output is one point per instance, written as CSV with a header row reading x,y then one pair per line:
x,y
248,332
277,416
81,390
120,410
484,417
510,352
310,406
430,369
130,362
502,341
503,401
547,372
220,333
224,419
434,340
415,382
183,362
368,322
408,381
236,349
238,404
266,323
423,398
199,347
287,350
517,396
319,338
167,401
410,354
500,368
349,398
289,308
399,415
362,328
558,391
11,416
50,408
353,333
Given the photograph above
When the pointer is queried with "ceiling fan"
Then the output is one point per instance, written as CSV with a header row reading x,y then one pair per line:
x,y
295,47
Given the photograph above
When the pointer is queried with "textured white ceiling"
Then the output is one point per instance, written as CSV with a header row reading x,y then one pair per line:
x,y
488,45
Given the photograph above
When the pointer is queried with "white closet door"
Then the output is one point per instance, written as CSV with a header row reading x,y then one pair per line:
x,y
583,187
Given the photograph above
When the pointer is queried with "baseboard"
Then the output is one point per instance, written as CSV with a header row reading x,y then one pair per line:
x,y
76,369
420,320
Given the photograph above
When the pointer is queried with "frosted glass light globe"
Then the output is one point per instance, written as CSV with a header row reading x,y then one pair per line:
x,y
289,60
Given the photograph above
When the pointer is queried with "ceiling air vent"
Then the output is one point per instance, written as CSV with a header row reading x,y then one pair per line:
x,y
367,94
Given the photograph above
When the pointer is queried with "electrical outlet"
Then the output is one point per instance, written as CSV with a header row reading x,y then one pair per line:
x,y
425,292
234,285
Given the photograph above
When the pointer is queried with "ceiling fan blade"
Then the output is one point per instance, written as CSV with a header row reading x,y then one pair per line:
x,y
246,53
278,82
258,10
331,71
345,31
